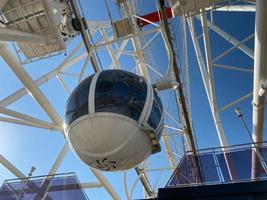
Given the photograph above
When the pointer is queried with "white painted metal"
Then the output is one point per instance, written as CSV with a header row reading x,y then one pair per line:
x,y
85,65
24,123
232,40
168,149
59,159
260,76
46,77
260,72
68,62
237,8
118,52
226,52
104,146
262,90
110,49
25,78
105,184
140,57
207,77
11,167
62,82
91,98
30,119
91,185
241,69
20,36
235,102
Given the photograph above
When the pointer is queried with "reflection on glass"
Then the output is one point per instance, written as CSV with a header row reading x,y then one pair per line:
x,y
155,119
77,104
120,92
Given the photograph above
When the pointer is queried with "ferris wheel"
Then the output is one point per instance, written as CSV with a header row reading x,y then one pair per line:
x,y
194,59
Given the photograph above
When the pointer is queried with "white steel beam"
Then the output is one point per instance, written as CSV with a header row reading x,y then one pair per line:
x,y
260,71
63,83
119,52
207,77
84,67
226,52
232,40
168,149
260,76
65,64
234,68
11,35
29,84
11,167
30,119
110,49
243,98
186,66
105,184
24,123
237,8
59,159
98,45
91,185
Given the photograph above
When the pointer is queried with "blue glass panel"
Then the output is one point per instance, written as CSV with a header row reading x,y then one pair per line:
x,y
120,92
156,114
77,104
208,168
186,172
56,188
214,169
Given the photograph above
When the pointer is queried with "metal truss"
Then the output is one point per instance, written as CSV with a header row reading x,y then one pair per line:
x,y
137,49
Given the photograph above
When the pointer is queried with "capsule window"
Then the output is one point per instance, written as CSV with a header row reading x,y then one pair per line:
x,y
120,92
156,113
77,104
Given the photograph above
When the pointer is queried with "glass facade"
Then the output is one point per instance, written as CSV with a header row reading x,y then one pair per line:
x,y
213,167
156,115
77,104
120,92
65,186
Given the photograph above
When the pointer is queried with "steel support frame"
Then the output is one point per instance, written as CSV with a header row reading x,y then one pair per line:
x,y
237,8
10,35
8,165
142,66
69,61
28,119
208,80
29,84
232,40
32,87
110,50
260,76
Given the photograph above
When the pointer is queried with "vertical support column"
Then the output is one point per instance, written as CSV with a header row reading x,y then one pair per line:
x,y
260,75
212,95
181,100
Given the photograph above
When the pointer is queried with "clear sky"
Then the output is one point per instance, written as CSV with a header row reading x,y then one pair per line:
x,y
26,146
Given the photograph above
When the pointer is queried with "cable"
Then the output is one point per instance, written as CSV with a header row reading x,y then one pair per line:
x,y
240,115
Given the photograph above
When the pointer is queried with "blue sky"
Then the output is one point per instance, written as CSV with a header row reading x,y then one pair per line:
x,y
26,147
